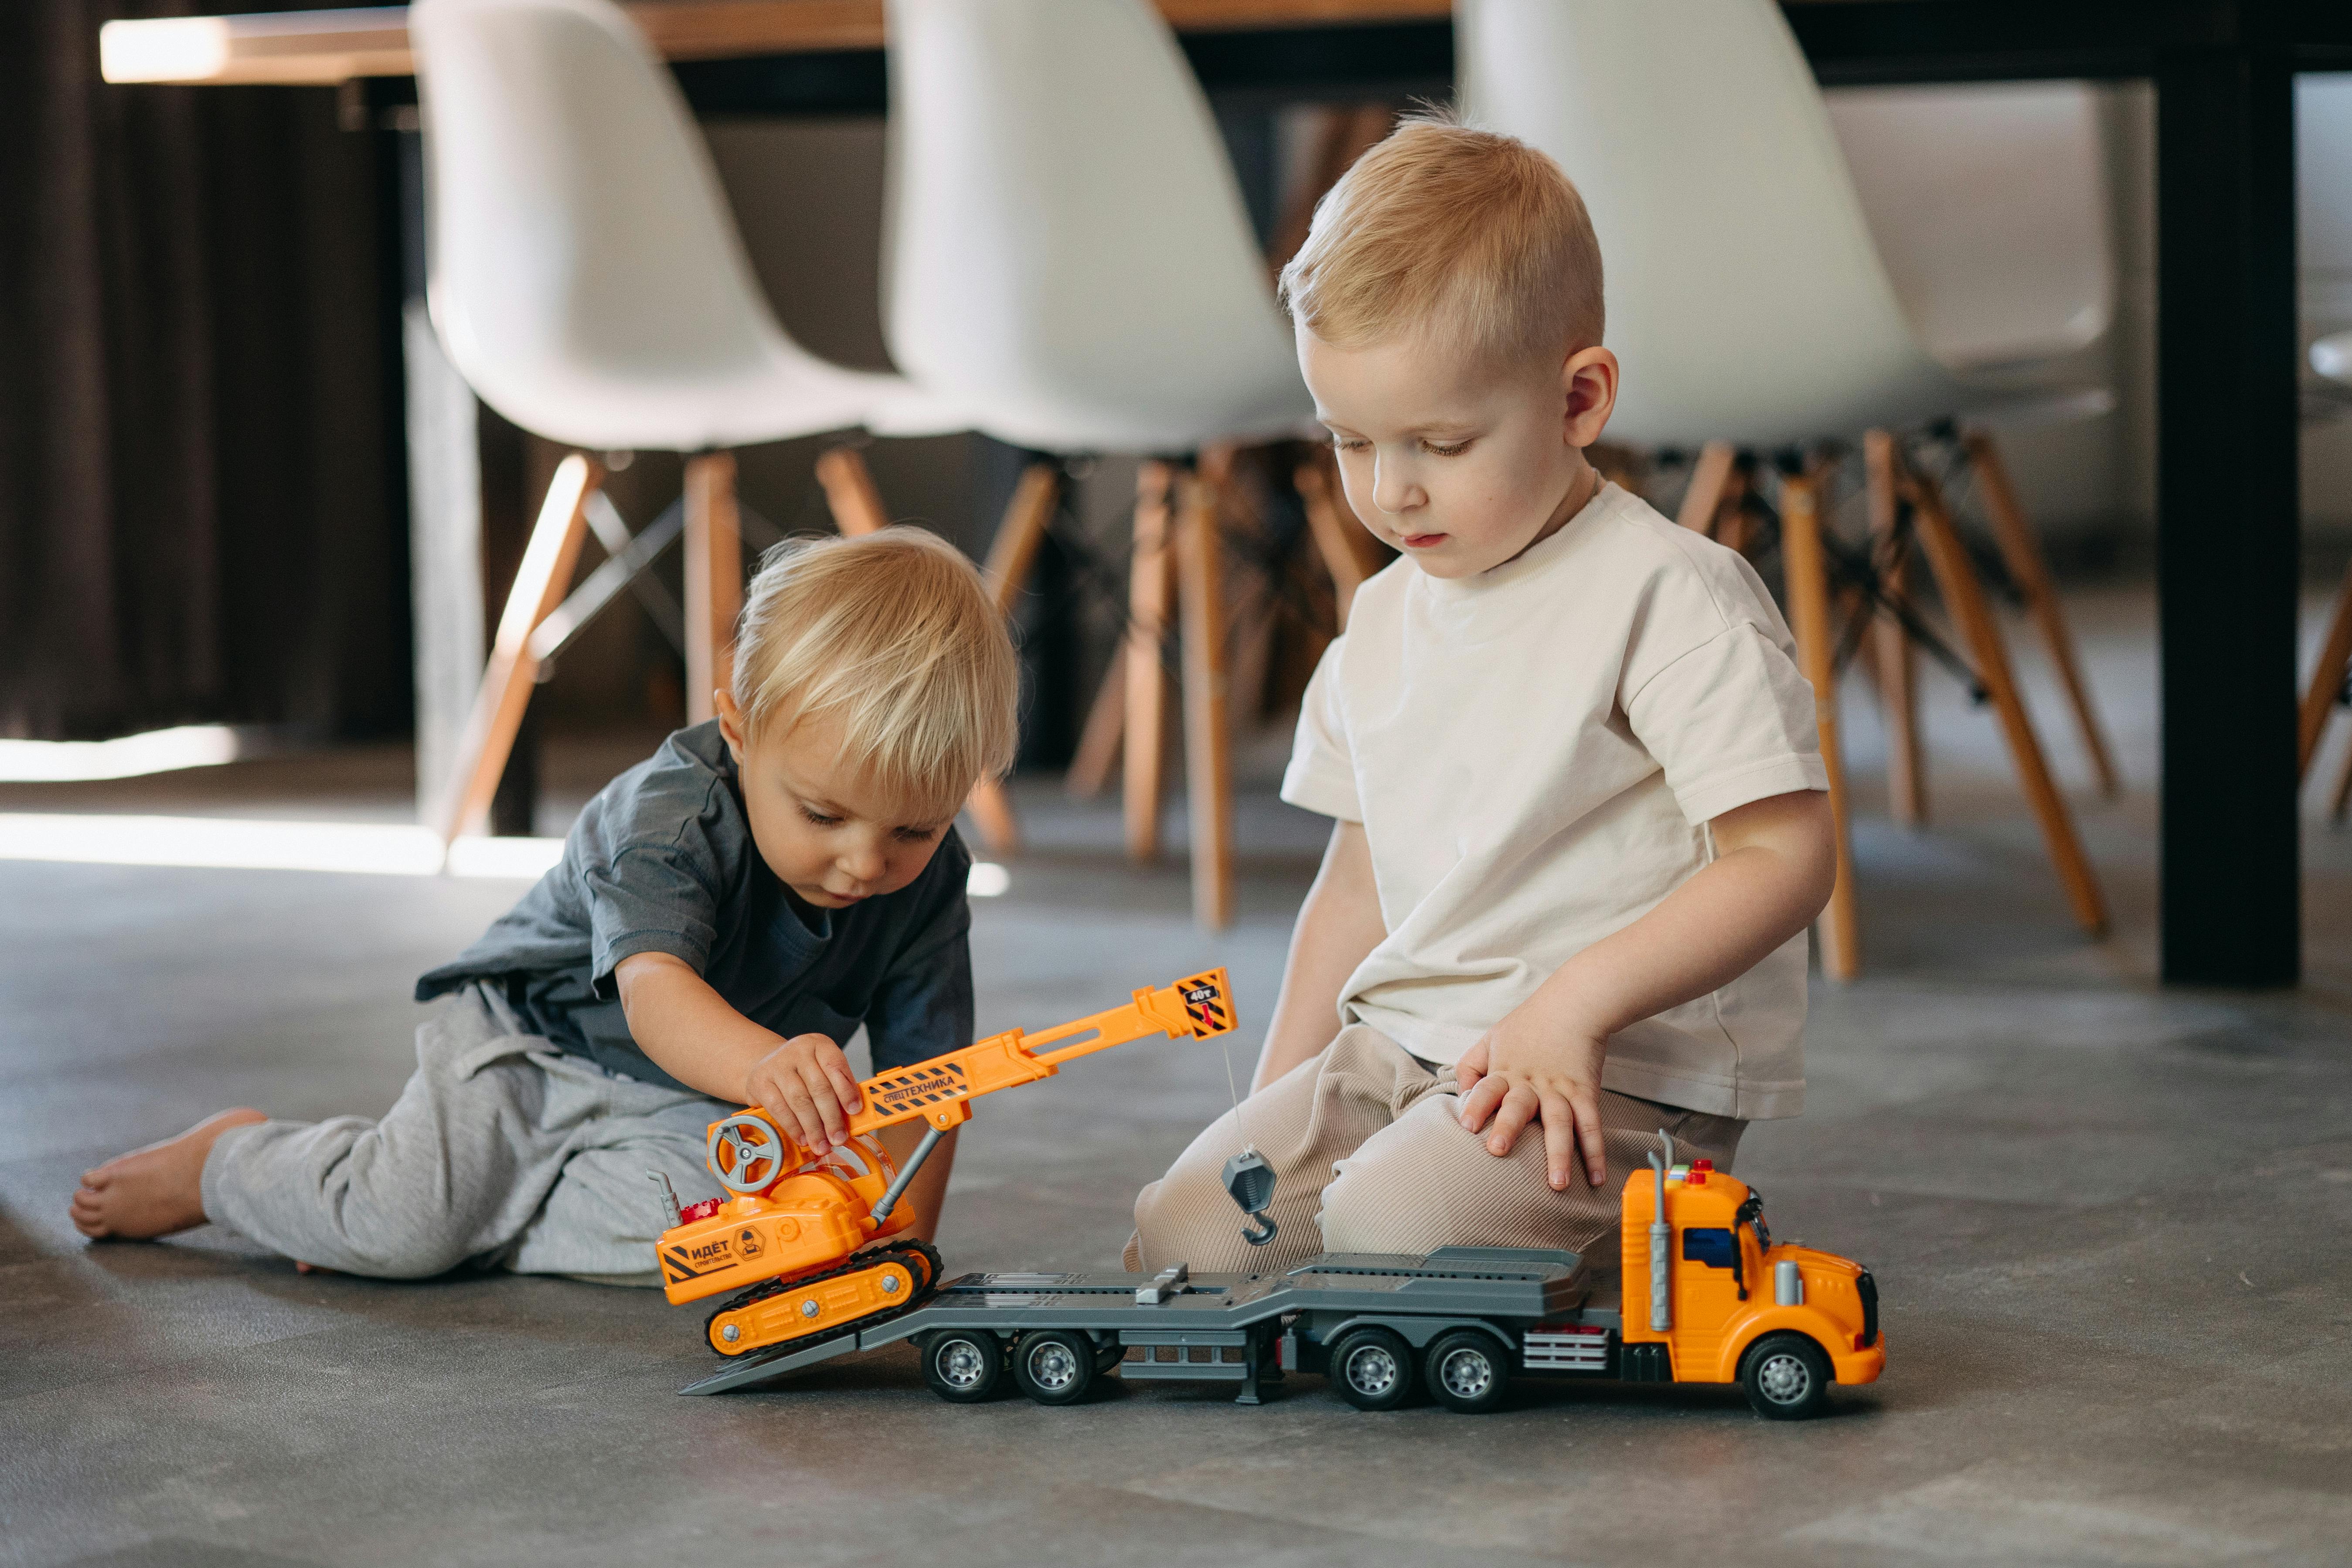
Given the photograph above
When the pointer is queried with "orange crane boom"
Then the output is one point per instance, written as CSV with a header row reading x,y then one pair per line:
x,y
747,1151
938,1090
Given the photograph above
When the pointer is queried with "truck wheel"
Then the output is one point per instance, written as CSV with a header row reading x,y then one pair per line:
x,y
1786,1376
1372,1368
1467,1372
1056,1367
963,1366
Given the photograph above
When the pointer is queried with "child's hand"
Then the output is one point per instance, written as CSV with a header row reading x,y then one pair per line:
x,y
805,1084
1527,1068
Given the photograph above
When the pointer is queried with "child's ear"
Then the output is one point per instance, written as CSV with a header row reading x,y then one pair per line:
x,y
1588,383
730,723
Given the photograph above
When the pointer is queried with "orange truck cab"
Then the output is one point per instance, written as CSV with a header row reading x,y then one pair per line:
x,y
1709,1297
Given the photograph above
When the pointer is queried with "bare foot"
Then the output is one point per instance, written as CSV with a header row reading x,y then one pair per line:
x,y
156,1190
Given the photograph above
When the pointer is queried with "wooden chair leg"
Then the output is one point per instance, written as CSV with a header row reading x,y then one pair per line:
x,y
2343,796
1208,760
1806,565
2023,554
1099,738
1964,597
1145,708
539,587
1704,498
1254,614
1012,554
1347,548
1896,665
714,580
2326,681
993,814
850,493
1345,135
1735,525
1011,558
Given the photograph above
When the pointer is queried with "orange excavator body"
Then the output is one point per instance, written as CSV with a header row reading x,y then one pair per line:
x,y
797,1216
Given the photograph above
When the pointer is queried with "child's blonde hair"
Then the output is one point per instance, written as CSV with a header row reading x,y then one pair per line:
x,y
893,632
1442,227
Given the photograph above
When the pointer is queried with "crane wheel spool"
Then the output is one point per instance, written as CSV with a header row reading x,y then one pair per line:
x,y
746,1154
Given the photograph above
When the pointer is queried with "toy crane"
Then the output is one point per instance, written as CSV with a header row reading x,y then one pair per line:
x,y
792,1238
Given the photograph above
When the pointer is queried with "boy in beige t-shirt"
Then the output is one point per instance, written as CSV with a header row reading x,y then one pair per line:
x,y
1581,821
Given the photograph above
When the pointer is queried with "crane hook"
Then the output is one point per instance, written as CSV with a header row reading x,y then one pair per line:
x,y
1250,1180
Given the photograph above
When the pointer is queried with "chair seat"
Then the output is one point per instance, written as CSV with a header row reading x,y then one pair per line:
x,y
1129,425
773,395
2331,357
2026,406
1907,394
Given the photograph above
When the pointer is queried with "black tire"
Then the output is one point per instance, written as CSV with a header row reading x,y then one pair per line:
x,y
963,1366
1372,1368
1056,1367
1467,1372
1786,1376
1108,1356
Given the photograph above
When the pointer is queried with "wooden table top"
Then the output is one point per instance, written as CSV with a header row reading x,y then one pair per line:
x,y
321,48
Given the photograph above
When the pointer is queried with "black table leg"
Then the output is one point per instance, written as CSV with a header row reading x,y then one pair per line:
x,y
2227,511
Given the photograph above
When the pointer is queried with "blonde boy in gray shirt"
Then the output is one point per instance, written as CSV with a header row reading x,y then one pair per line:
x,y
1581,826
725,915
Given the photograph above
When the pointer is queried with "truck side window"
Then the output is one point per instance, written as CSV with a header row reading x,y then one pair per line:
x,y
1716,1249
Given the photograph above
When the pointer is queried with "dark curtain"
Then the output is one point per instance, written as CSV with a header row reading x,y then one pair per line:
x,y
201,480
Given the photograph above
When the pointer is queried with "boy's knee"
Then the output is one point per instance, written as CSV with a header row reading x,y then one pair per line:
x,y
1177,1220
1429,1183
413,1250
1186,1216
1381,1209
394,1240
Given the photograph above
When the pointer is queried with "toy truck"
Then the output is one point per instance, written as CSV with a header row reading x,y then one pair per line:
x,y
792,1239
1711,1299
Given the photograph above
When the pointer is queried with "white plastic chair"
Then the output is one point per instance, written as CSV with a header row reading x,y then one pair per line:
x,y
2323,154
2323,223
1989,203
1068,257
2000,278
1751,305
1068,262
586,278
2331,357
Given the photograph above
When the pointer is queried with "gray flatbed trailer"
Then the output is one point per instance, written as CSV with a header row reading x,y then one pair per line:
x,y
1467,1318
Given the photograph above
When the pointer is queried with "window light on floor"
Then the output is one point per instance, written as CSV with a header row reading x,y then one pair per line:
x,y
363,848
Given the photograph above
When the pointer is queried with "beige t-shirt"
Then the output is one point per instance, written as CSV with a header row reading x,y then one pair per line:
x,y
1534,753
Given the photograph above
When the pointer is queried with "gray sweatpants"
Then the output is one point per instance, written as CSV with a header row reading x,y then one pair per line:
x,y
501,1152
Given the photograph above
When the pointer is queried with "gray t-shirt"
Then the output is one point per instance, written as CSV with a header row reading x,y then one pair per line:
x,y
662,861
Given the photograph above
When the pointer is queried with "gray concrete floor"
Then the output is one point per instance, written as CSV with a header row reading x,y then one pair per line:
x,y
2109,1221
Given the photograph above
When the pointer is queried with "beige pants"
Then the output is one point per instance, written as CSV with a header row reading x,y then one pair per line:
x,y
1370,1155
